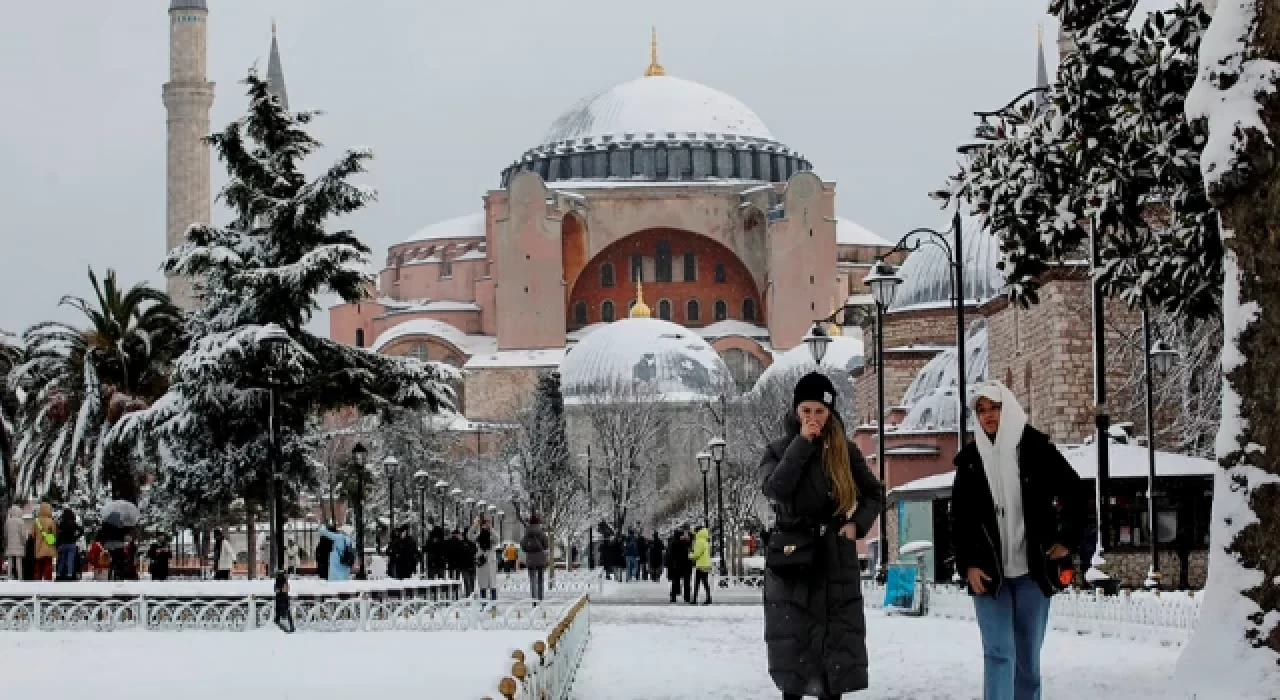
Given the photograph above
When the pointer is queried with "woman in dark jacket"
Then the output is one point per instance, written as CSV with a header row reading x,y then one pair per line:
x,y
818,482
656,550
68,535
324,546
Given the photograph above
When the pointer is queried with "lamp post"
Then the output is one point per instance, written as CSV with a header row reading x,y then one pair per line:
x,y
884,281
502,516
422,478
471,511
360,453
704,465
457,506
591,529
717,446
273,337
481,506
389,465
1158,359
441,485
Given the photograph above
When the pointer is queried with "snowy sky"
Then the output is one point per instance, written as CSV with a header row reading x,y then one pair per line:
x,y
876,94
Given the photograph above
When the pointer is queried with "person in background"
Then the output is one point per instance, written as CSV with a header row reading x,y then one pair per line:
x,y
435,551
700,559
158,555
324,546
617,556
656,550
284,613
642,553
537,555
402,554
342,544
129,572
678,567
512,556
292,558
68,556
45,532
486,560
224,557
99,561
631,552
465,553
15,537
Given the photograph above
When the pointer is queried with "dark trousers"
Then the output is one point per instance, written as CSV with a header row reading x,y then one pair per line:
x,y
283,612
222,575
702,580
679,580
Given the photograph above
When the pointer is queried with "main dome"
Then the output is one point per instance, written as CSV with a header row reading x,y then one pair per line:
x,y
643,355
659,128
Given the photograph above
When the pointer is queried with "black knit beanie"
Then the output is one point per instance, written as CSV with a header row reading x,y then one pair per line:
x,y
815,386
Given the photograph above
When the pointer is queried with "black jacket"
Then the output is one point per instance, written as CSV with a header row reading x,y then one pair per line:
x,y
68,531
323,549
1052,506
158,556
656,550
403,557
815,628
678,554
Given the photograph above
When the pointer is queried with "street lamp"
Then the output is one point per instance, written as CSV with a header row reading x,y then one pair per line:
x,y
422,478
502,515
389,465
360,453
481,505
1159,359
591,529
457,506
441,485
817,341
471,511
884,281
717,446
704,465
273,337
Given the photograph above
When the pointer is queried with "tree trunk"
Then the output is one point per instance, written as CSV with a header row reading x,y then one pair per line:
x,y
1237,639
250,544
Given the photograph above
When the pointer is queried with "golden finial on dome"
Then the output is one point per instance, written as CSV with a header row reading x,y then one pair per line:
x,y
641,309
654,68
835,324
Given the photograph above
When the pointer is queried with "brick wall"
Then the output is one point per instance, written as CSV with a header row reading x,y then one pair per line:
x,y
493,394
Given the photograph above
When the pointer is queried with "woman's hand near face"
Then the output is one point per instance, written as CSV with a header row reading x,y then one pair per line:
x,y
810,429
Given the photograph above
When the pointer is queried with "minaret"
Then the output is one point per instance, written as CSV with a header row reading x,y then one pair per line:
x,y
187,97
275,71
1042,70
654,68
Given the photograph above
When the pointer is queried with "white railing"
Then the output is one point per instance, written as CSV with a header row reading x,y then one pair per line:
x,y
565,584
546,669
1167,618
749,581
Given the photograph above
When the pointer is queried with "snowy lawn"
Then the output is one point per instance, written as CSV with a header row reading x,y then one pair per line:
x,y
260,664
717,653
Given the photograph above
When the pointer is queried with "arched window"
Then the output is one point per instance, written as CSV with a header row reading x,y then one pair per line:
x,y
664,310
662,263
690,268
418,351
720,274
748,309
691,310
580,313
606,275
359,337
606,312
722,310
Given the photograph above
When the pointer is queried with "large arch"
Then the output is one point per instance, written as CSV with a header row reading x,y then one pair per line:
x,y
661,256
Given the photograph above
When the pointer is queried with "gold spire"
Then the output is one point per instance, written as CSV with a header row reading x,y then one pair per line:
x,y
654,68
641,309
835,325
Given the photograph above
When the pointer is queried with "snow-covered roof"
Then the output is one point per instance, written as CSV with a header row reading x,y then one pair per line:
x,y
394,306
843,353
550,357
732,327
470,344
931,399
465,226
851,233
657,105
643,353
926,273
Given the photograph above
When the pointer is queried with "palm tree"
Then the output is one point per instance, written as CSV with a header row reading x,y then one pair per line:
x,y
10,358
74,383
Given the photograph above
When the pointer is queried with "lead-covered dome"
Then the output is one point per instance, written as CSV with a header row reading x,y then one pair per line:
x,y
926,275
646,356
659,128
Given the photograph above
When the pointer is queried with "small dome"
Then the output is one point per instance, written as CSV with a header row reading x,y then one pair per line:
x,y
926,276
931,399
645,354
459,227
843,353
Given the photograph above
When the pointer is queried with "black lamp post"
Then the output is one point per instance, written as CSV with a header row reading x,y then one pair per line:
x,y
360,453
471,512
273,337
502,516
1159,359
457,507
591,529
884,281
389,466
717,446
441,485
421,478
704,465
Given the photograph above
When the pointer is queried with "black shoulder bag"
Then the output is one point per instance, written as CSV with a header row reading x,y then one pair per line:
x,y
792,553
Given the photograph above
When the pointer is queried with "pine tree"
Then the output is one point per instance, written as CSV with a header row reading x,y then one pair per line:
x,y
268,266
1235,650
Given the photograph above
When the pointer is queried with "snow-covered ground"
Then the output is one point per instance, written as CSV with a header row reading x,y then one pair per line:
x,y
717,653
259,664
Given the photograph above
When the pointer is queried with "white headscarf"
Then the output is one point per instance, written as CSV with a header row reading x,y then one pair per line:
x,y
1000,462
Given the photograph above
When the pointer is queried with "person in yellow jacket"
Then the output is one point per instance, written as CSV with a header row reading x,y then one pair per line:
x,y
700,555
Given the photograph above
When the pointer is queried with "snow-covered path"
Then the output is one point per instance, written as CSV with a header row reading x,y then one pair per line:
x,y
717,653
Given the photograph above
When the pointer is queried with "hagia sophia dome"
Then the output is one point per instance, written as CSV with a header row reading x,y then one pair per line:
x,y
926,275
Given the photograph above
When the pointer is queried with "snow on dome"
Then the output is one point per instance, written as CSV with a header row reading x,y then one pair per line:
x,y
656,105
931,398
843,353
926,277
466,226
469,344
851,233
646,354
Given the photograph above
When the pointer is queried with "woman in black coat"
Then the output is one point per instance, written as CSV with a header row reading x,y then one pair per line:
x,y
656,550
818,483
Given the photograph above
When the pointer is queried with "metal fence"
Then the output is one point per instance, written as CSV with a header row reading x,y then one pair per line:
x,y
565,584
545,670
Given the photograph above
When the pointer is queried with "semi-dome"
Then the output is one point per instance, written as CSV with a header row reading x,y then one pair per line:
x,y
659,128
931,399
645,355
843,353
460,227
926,274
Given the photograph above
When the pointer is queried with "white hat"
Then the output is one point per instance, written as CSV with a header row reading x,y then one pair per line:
x,y
993,391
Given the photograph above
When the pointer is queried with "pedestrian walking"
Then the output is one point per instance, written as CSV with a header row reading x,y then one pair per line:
x,y
342,556
284,611
324,547
656,550
437,563
631,552
1016,503
15,539
617,556
68,554
511,555
45,532
100,561
158,555
224,556
402,554
700,557
642,552
537,554
292,558
678,566
464,551
486,560
824,498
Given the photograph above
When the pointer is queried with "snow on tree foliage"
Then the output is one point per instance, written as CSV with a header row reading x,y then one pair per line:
x,y
209,432
1111,147
1235,650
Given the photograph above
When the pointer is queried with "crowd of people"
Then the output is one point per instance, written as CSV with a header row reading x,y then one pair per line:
x,y
49,549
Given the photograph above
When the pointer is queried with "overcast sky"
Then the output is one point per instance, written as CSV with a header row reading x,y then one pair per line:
x,y
876,94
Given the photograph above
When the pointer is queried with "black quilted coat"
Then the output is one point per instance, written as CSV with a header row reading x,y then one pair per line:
x,y
814,628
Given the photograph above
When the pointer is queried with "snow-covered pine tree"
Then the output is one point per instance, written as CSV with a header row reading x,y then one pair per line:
x,y
209,432
1235,650
1110,147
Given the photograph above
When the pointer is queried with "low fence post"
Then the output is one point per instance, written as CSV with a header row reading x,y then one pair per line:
x,y
364,612
142,612
35,612
252,622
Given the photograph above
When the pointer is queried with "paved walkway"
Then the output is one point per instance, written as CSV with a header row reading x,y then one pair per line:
x,y
651,593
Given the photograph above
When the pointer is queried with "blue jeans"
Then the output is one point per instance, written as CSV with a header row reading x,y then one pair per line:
x,y
1013,626
633,568
67,561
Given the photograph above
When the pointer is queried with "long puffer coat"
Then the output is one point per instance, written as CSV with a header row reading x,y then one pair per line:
x,y
487,573
814,627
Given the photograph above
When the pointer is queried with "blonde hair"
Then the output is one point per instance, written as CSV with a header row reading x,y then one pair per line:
x,y
835,459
